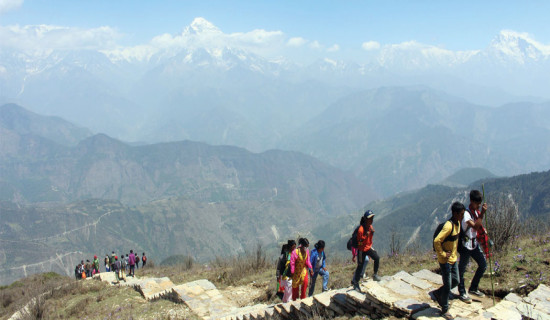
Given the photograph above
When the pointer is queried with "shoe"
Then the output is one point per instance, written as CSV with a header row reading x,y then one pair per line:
x,y
446,315
357,288
465,298
376,277
476,293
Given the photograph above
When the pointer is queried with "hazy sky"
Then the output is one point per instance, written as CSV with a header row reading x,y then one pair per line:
x,y
334,26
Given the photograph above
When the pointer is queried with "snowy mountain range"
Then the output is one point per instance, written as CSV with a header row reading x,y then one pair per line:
x,y
206,85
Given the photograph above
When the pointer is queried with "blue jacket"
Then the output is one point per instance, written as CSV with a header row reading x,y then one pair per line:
x,y
315,257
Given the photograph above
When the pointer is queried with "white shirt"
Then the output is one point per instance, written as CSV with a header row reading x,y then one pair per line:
x,y
469,232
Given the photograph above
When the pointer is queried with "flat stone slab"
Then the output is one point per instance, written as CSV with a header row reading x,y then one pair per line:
x,y
412,280
410,306
203,298
154,288
504,310
530,312
401,288
380,293
107,277
430,276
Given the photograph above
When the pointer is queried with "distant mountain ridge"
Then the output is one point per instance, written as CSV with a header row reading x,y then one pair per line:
x,y
412,216
402,138
102,167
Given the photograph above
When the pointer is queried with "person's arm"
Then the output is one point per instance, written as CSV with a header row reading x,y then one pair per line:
x,y
324,266
313,258
438,241
293,258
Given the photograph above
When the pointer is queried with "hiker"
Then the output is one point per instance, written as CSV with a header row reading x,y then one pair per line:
x,y
286,276
300,266
318,263
126,263
470,247
89,267
107,263
119,269
95,264
132,262
137,260
281,265
445,245
77,272
364,249
112,261
144,260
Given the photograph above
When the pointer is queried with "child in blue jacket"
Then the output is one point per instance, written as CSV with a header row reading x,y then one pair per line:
x,y
318,262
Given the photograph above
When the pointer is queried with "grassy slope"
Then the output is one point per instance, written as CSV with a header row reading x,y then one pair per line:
x,y
524,264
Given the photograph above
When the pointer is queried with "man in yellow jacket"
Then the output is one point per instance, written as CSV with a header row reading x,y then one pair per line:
x,y
445,244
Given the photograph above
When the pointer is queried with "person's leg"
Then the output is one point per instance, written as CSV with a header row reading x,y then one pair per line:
x,y
446,288
374,256
287,289
304,287
479,257
357,275
325,276
312,284
464,259
295,292
454,275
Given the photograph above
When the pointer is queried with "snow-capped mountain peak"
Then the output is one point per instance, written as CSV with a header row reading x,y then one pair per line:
x,y
201,25
519,46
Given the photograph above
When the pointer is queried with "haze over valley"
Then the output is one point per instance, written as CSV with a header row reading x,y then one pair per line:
x,y
208,141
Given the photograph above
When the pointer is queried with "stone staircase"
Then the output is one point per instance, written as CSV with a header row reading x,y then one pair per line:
x,y
402,295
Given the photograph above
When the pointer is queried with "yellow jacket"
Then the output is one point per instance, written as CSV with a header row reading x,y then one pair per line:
x,y
449,229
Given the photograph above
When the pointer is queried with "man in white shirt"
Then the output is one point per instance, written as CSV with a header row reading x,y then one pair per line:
x,y
469,246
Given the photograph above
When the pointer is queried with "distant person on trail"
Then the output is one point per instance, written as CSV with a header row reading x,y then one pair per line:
x,y
364,249
470,247
95,265
286,276
445,245
112,261
318,263
78,272
126,263
137,261
88,268
107,263
132,262
281,264
300,267
144,260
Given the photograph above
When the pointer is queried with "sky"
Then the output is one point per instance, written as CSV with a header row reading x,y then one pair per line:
x,y
333,27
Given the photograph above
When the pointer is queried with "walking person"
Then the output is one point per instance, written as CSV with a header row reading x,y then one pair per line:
x,y
132,262
107,263
281,265
286,276
445,245
470,247
300,267
143,260
95,265
137,260
365,234
318,263
112,261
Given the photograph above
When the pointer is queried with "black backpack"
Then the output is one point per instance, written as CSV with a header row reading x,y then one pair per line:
x,y
449,237
352,242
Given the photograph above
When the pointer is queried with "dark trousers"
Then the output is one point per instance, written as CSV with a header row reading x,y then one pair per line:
x,y
449,273
363,260
479,258
132,266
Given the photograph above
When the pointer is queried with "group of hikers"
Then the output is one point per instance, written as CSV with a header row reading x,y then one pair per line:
x,y
125,265
463,233
297,268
